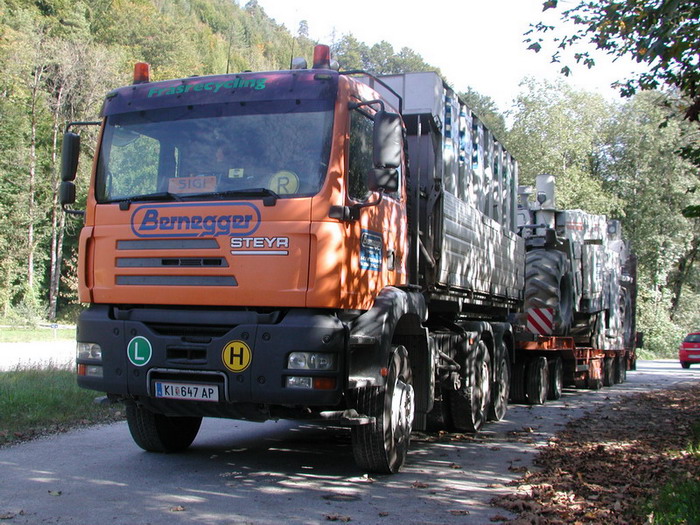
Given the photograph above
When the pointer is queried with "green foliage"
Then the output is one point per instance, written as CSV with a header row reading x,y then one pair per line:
x,y
662,34
379,59
560,131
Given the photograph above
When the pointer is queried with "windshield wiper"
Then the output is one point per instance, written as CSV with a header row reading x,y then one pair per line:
x,y
124,204
269,196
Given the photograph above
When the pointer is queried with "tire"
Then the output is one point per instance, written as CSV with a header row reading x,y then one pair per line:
x,y
158,433
500,389
620,369
537,381
594,383
685,364
517,383
470,404
556,378
549,284
381,446
608,372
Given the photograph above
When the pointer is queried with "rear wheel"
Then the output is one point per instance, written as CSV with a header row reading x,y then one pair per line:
x,y
500,390
158,433
517,383
556,378
594,379
621,369
608,372
685,364
537,382
470,404
382,446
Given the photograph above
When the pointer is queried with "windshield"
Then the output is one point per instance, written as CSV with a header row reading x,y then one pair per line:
x,y
215,150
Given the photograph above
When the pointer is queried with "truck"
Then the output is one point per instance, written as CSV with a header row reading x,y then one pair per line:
x,y
300,244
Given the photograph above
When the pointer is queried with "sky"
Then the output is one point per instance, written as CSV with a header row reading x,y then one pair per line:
x,y
475,43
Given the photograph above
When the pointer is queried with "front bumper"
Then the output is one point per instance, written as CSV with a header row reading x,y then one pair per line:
x,y
193,345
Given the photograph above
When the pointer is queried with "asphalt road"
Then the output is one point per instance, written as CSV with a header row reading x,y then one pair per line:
x,y
287,472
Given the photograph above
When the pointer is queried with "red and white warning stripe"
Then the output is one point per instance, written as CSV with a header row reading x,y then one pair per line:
x,y
540,321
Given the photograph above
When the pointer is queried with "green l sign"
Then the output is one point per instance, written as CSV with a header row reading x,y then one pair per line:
x,y
139,351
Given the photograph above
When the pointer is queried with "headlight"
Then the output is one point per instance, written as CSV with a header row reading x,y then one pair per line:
x,y
89,351
311,361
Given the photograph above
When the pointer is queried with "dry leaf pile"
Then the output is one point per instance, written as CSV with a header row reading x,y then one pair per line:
x,y
604,466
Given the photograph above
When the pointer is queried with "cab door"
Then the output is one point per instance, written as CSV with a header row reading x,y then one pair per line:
x,y
377,240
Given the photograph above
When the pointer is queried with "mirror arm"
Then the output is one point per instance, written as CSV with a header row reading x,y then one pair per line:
x,y
352,213
71,211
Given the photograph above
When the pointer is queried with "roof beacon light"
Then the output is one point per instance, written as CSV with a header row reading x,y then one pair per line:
x,y
142,72
322,57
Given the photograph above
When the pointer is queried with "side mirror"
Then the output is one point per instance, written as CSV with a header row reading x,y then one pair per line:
x,y
386,179
70,152
66,193
387,140
639,340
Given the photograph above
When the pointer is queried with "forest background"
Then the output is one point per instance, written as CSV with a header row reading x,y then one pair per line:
x,y
627,159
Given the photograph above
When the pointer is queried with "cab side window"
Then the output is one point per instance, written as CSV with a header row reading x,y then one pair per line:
x,y
360,161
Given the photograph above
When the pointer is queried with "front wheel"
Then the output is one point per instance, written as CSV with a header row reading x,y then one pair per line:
x,y
158,433
382,445
685,364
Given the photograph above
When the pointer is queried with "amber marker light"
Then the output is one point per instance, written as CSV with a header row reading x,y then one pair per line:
x,y
142,72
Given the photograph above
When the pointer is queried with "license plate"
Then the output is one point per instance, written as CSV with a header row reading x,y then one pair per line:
x,y
190,391
693,356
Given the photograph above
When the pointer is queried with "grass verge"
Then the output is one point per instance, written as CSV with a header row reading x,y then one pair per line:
x,y
38,401
28,335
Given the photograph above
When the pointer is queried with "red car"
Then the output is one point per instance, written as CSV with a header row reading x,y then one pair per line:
x,y
689,352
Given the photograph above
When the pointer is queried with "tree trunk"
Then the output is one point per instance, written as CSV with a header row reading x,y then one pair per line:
x,y
57,217
682,273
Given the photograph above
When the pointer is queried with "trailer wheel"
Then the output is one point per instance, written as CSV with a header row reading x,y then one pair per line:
x,y
382,446
556,378
470,404
608,372
517,382
500,390
620,369
549,284
594,376
158,433
537,382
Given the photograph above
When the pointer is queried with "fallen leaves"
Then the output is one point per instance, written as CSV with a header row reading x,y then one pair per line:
x,y
338,517
603,467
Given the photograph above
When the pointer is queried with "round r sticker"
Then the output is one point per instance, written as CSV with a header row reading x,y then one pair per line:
x,y
236,356
284,183
139,351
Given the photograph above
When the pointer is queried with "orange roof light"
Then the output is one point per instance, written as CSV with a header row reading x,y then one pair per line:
x,y
322,57
142,72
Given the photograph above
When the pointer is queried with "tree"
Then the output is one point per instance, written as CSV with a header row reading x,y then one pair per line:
x,y
663,34
561,131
